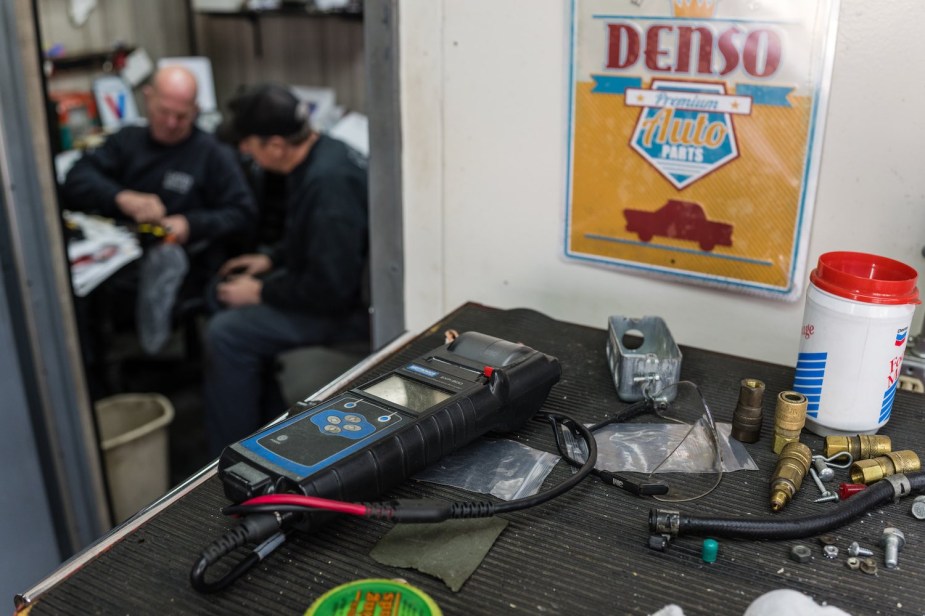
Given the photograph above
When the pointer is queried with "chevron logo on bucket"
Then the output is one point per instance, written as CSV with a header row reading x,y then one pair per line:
x,y
901,335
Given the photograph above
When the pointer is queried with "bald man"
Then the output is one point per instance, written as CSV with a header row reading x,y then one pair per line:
x,y
168,172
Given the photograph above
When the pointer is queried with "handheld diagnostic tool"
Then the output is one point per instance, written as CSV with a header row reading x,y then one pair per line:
x,y
371,438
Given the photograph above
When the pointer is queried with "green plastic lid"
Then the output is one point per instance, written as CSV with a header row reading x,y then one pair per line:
x,y
374,597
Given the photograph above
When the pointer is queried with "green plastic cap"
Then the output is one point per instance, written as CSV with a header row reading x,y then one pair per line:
x,y
710,550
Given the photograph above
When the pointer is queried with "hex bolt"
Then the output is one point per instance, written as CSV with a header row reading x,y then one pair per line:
x,y
893,541
822,468
856,550
918,508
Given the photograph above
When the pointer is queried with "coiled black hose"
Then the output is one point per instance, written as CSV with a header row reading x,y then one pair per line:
x,y
886,490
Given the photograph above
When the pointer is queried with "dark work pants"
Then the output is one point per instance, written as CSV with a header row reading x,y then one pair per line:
x,y
241,346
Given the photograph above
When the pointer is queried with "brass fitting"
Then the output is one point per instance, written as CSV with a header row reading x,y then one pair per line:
x,y
792,466
746,420
789,417
861,447
875,469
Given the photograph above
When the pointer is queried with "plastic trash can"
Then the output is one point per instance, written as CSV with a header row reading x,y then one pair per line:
x,y
133,437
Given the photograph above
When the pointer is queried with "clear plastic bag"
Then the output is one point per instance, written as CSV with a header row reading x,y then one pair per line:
x,y
663,448
161,273
503,468
679,446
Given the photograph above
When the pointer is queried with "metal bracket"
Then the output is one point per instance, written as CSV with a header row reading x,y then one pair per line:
x,y
641,370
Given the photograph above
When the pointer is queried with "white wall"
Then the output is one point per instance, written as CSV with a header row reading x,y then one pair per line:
x,y
484,93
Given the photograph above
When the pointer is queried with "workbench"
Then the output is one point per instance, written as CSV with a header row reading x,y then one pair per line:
x,y
583,553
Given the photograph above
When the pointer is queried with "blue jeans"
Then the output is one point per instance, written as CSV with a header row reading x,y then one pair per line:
x,y
241,347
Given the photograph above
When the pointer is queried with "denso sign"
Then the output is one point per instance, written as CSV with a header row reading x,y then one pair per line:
x,y
685,128
670,48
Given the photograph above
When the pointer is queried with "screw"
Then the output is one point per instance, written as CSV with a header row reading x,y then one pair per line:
x,y
918,508
893,541
856,550
828,497
817,480
822,489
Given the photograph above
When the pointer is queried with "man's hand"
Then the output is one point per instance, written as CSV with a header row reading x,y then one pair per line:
x,y
178,227
250,265
239,291
141,207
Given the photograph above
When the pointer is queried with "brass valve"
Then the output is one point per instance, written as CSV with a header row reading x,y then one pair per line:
x,y
789,417
792,466
861,447
746,420
892,463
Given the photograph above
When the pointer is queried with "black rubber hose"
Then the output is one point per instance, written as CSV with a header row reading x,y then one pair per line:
x,y
793,528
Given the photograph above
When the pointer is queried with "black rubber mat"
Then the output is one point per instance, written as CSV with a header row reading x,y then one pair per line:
x,y
584,553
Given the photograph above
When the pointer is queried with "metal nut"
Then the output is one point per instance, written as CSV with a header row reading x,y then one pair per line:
x,y
659,542
828,539
830,551
869,566
800,553
853,563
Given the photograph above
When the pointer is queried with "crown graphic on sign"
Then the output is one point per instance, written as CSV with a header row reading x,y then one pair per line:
x,y
693,8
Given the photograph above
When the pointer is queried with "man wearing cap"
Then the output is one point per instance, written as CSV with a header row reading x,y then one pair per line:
x,y
169,173
309,290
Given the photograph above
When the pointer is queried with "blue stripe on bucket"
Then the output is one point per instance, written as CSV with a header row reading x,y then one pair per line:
x,y
887,407
808,379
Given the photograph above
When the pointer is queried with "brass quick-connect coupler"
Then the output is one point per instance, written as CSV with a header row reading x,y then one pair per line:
x,y
861,447
892,463
746,420
789,417
792,466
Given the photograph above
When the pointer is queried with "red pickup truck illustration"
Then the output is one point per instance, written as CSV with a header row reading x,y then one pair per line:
x,y
680,220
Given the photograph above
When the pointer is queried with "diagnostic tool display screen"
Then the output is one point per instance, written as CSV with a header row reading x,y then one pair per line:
x,y
409,394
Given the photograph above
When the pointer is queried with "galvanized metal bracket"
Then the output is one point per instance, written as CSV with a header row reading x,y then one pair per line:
x,y
643,357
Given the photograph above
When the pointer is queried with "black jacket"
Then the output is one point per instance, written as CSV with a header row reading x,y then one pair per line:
x,y
199,178
319,266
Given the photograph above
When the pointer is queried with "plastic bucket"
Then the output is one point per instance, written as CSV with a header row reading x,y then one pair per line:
x,y
855,327
133,437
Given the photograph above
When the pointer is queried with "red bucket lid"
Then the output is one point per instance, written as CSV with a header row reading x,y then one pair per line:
x,y
866,278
